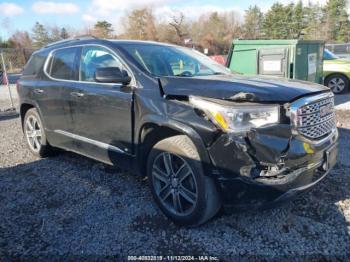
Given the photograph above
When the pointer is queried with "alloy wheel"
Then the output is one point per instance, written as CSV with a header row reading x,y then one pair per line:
x,y
174,183
337,85
33,133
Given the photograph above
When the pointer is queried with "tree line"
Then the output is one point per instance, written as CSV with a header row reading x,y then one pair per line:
x,y
213,31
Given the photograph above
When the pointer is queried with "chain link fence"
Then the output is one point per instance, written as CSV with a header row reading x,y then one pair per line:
x,y
341,50
12,61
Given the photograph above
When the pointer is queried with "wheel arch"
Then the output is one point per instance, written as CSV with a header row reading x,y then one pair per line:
x,y
339,74
151,132
336,73
24,109
27,105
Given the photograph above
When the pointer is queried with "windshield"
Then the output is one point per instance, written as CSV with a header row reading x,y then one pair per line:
x,y
328,55
162,60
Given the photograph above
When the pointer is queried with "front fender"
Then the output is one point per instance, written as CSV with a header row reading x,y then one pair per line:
x,y
336,69
180,128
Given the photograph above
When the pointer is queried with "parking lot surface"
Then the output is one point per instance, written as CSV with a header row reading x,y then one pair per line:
x,y
71,205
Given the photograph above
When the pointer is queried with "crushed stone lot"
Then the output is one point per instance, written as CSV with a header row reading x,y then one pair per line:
x,y
69,205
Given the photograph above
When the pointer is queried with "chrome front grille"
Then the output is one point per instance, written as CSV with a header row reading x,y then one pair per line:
x,y
314,117
315,106
319,130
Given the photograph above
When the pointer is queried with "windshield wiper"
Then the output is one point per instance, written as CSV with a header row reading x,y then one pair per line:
x,y
185,74
192,75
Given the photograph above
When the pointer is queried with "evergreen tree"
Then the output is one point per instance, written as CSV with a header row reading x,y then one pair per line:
x,y
103,29
64,34
253,23
298,18
40,35
285,22
289,24
274,22
313,22
141,25
336,20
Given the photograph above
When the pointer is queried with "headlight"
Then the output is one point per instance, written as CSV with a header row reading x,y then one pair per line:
x,y
237,118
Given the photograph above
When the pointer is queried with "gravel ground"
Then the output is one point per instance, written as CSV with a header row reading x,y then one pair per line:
x,y
71,205
4,93
342,102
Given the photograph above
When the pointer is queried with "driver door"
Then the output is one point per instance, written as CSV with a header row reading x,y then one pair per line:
x,y
102,112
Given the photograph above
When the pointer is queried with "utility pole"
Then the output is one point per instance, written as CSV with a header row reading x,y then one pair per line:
x,y
7,80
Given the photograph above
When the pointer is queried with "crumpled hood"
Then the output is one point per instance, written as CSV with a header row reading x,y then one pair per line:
x,y
264,89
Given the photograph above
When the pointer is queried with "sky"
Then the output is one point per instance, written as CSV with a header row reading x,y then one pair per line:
x,y
21,15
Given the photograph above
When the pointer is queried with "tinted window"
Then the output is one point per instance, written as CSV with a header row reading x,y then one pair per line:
x,y
328,55
34,64
63,64
94,57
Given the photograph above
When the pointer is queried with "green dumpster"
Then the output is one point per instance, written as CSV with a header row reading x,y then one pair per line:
x,y
293,59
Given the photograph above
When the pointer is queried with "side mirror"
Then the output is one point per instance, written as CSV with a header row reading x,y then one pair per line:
x,y
112,75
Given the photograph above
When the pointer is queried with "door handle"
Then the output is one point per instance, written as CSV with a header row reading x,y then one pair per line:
x,y
76,94
38,91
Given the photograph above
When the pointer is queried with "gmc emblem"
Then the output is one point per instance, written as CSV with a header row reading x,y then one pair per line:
x,y
326,110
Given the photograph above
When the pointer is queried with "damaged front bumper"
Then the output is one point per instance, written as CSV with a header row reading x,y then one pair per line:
x,y
269,166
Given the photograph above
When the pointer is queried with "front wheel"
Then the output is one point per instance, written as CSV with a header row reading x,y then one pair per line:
x,y
337,83
178,183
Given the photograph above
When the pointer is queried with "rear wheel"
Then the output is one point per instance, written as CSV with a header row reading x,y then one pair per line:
x,y
34,133
337,83
178,183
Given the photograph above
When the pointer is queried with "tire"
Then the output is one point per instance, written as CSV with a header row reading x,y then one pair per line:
x,y
175,171
34,133
339,84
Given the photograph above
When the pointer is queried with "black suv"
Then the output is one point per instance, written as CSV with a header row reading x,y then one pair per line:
x,y
204,137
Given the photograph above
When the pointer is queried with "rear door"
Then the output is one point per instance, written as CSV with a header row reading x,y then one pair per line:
x,y
61,70
102,113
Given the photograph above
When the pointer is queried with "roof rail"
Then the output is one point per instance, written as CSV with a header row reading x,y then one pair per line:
x,y
76,38
85,37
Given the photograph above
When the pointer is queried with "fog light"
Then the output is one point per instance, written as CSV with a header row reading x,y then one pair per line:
x,y
308,148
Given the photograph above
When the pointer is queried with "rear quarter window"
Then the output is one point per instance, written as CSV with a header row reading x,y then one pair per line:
x,y
63,64
34,65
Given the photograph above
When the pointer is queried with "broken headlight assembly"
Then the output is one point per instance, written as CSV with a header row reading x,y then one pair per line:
x,y
238,118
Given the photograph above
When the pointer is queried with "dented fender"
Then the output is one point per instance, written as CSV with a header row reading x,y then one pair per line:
x,y
269,144
263,149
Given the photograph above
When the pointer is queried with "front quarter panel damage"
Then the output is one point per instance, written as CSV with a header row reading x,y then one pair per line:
x,y
269,144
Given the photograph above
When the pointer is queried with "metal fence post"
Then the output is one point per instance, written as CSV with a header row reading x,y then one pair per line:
x,y
7,79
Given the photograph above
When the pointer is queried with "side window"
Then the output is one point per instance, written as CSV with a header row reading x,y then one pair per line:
x,y
34,65
93,57
326,56
63,64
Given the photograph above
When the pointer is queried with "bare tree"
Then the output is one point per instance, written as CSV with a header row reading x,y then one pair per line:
x,y
177,24
214,31
21,39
